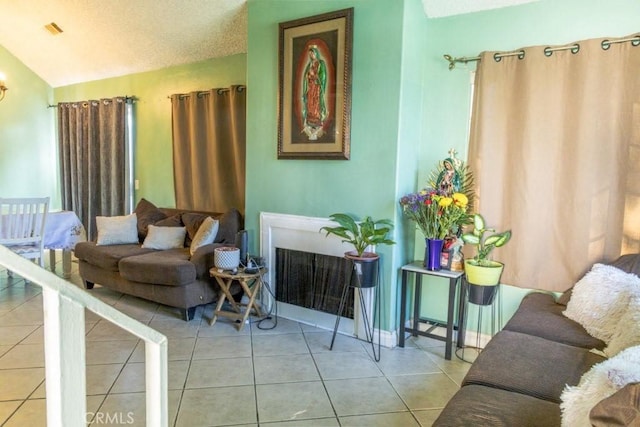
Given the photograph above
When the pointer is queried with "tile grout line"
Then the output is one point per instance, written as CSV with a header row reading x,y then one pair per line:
x,y
324,385
307,335
253,368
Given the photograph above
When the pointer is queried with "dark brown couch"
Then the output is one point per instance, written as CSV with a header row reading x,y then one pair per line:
x,y
518,378
172,277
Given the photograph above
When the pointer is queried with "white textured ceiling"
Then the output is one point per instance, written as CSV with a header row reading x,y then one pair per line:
x,y
442,8
109,38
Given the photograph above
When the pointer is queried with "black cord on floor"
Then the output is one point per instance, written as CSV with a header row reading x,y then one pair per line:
x,y
268,316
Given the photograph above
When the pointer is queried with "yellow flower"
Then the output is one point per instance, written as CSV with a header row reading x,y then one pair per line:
x,y
460,199
445,201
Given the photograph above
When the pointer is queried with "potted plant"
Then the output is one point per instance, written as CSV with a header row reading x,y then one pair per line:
x,y
481,271
361,235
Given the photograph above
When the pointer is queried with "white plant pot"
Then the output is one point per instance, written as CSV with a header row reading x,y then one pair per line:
x,y
226,257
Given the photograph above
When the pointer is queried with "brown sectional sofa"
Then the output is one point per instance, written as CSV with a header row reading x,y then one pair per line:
x,y
172,277
517,380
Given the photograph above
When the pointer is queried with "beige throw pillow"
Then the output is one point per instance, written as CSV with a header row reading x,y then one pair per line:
x,y
164,237
205,235
117,230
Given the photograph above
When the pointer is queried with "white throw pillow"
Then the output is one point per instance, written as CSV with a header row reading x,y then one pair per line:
x,y
205,235
600,382
599,300
627,334
164,237
117,230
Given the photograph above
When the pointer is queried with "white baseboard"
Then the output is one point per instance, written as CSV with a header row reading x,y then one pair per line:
x,y
389,339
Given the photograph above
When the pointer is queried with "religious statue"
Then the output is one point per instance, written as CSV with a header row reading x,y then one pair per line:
x,y
450,178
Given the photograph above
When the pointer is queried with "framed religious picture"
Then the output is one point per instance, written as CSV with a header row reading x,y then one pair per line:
x,y
314,116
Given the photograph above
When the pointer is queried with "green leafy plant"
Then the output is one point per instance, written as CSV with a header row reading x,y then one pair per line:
x,y
360,234
484,244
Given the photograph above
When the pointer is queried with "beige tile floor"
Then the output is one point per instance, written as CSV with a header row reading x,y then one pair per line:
x,y
218,376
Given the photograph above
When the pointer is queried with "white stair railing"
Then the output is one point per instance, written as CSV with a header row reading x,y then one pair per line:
x,y
64,339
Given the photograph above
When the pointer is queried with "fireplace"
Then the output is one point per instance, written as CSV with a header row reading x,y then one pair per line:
x,y
301,234
313,281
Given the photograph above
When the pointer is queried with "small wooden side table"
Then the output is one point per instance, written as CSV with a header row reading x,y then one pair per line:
x,y
251,284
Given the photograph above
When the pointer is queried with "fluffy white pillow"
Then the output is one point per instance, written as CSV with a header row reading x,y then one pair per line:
x,y
205,235
164,237
599,300
117,230
628,332
600,382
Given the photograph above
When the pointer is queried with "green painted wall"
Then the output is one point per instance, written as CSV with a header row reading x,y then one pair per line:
x,y
367,184
447,93
153,156
27,148
362,185
411,117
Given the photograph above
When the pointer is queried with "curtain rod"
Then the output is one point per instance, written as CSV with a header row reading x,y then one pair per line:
x,y
548,51
206,92
127,98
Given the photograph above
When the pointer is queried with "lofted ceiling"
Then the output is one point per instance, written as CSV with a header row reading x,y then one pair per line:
x,y
109,38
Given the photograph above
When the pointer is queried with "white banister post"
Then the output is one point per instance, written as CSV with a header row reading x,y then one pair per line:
x,y
65,367
156,382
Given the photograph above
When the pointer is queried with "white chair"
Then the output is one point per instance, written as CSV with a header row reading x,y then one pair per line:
x,y
22,226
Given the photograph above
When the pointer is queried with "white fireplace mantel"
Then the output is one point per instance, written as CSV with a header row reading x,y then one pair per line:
x,y
302,233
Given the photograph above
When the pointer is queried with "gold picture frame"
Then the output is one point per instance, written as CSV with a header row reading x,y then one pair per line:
x,y
314,114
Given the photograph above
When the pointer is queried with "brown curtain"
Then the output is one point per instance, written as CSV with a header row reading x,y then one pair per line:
x,y
91,143
555,148
209,131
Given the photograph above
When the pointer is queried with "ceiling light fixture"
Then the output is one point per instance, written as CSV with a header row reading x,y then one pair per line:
x,y
3,86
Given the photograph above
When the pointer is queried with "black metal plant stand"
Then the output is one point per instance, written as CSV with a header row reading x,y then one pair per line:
x,y
493,302
370,327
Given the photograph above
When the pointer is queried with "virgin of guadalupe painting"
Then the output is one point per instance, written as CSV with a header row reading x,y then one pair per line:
x,y
315,87
314,97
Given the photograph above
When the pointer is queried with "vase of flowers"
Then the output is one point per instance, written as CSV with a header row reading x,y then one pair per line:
x,y
437,216
432,254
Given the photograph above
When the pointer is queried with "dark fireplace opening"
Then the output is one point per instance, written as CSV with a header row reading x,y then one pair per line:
x,y
313,281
